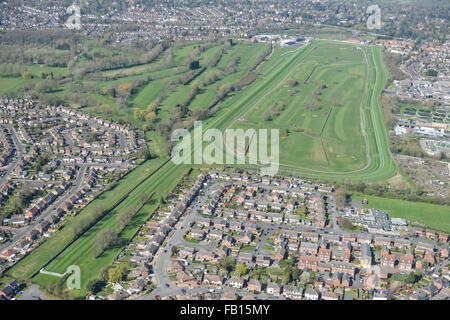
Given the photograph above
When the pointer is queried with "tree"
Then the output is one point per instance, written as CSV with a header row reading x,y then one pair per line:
x,y
125,88
194,65
145,197
105,108
26,75
25,196
341,196
94,286
292,83
105,239
227,264
295,274
431,73
287,277
143,152
200,114
145,127
115,275
241,269
267,116
139,114
412,277
346,223
175,250
151,107
150,117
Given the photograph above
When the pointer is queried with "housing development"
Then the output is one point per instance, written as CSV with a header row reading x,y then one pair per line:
x,y
290,150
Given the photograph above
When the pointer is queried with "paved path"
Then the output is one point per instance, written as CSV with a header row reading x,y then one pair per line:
x,y
33,293
20,152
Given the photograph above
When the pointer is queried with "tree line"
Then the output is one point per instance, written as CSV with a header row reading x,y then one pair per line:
x,y
108,237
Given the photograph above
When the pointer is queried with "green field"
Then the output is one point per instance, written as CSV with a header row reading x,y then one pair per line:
x,y
12,84
336,143
432,215
326,139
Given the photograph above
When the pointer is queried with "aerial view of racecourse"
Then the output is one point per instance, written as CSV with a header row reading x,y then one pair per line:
x,y
258,152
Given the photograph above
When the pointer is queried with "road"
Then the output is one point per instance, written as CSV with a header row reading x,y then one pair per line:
x,y
33,293
122,142
68,139
332,211
20,152
176,239
22,232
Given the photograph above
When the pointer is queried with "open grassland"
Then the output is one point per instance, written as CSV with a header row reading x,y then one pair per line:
x,y
432,215
8,84
328,138
379,164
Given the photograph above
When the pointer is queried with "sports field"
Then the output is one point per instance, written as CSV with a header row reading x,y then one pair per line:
x,y
367,118
329,136
345,138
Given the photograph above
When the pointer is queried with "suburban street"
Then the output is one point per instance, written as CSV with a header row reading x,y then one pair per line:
x,y
20,152
22,232
333,215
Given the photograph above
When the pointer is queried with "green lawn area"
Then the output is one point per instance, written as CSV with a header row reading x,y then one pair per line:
x,y
434,216
35,69
325,139
8,84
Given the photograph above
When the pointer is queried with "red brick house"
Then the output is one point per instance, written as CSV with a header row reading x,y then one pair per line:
x,y
254,285
308,262
429,257
406,262
387,259
444,253
324,253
